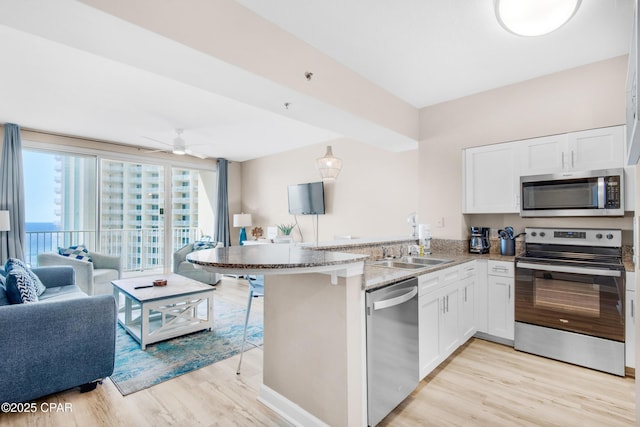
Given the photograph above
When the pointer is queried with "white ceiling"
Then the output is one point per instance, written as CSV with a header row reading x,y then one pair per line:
x,y
59,75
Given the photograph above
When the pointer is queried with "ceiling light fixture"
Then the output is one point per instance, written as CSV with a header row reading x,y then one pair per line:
x,y
329,165
531,18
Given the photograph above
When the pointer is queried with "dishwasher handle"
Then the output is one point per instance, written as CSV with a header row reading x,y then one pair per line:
x,y
391,302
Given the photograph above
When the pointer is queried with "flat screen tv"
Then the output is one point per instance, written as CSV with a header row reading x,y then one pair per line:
x,y
306,199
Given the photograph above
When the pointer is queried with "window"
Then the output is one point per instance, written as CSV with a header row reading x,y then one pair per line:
x,y
52,197
127,217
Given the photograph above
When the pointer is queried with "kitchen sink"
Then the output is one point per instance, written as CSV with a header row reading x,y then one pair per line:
x,y
424,261
390,263
410,263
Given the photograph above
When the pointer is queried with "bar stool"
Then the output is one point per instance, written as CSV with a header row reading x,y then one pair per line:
x,y
256,290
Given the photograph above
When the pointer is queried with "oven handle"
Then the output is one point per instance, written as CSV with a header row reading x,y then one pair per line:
x,y
569,269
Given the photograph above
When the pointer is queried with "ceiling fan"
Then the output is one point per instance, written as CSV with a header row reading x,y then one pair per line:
x,y
179,146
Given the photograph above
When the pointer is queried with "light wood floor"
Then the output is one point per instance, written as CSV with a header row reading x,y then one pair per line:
x,y
483,384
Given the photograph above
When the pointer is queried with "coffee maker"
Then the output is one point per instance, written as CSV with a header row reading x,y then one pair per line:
x,y
479,242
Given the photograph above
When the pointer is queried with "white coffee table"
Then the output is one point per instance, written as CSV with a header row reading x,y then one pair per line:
x,y
156,313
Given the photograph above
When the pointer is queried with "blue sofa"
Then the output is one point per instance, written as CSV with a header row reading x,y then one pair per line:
x,y
65,340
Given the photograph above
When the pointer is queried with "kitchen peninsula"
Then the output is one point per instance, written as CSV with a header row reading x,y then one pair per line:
x,y
314,329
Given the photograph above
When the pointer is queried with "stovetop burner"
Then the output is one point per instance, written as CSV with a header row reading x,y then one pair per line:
x,y
601,248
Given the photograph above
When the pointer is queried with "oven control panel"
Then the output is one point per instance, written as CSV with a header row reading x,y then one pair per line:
x,y
575,236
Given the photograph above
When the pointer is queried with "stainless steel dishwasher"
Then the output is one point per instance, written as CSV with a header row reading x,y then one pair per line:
x,y
392,347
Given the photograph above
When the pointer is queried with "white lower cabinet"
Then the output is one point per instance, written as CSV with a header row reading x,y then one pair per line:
x,y
437,318
447,313
468,301
449,335
500,299
630,320
429,333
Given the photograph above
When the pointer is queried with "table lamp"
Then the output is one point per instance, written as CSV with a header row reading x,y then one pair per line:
x,y
5,224
242,220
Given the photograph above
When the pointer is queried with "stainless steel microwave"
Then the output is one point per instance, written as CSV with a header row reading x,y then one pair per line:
x,y
586,193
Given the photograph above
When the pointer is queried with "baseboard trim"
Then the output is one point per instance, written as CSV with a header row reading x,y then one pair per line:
x,y
287,409
493,338
629,372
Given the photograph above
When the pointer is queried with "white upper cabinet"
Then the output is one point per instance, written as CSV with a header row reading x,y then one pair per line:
x,y
585,150
596,149
492,179
543,155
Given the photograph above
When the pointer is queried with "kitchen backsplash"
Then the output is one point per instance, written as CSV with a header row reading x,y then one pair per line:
x,y
396,249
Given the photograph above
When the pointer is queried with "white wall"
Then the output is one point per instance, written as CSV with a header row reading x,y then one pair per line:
x,y
371,197
377,189
587,97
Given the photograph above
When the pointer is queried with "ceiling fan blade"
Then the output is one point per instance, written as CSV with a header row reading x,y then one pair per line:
x,y
198,155
157,140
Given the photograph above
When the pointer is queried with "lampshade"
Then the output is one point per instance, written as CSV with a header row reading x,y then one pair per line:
x,y
534,17
329,165
242,220
5,225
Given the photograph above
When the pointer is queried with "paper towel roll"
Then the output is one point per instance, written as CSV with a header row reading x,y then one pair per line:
x,y
424,231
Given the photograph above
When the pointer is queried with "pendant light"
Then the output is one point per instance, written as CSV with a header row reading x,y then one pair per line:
x,y
531,18
329,165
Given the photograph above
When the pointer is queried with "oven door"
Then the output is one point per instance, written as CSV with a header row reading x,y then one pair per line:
x,y
584,300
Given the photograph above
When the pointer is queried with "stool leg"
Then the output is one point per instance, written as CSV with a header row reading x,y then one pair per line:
x,y
244,335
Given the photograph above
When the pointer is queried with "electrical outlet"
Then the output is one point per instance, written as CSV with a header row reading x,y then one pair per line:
x,y
440,222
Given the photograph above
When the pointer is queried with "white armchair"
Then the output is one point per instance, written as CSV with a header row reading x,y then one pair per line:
x,y
185,268
94,277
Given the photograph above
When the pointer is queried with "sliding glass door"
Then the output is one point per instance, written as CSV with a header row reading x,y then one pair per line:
x,y
140,211
131,213
149,211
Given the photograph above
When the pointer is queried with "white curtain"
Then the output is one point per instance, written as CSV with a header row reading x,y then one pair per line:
x,y
12,242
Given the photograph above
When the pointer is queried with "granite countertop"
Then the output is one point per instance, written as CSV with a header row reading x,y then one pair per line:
x,y
376,276
270,257
351,243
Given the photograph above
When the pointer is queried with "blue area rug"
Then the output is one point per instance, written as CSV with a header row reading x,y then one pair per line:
x,y
137,369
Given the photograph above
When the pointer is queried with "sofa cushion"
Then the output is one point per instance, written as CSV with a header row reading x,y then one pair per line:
x,y
79,252
58,293
20,287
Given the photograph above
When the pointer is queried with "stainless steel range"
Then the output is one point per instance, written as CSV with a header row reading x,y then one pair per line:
x,y
569,297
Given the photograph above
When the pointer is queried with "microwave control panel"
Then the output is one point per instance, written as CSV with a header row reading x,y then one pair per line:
x,y
612,184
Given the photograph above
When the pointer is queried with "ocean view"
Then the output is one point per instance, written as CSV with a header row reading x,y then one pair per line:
x,y
39,239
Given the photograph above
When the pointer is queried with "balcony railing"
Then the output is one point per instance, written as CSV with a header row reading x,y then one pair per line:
x,y
140,249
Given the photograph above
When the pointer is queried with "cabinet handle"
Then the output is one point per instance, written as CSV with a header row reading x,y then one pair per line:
x,y
633,311
509,291
443,306
563,160
572,163
465,294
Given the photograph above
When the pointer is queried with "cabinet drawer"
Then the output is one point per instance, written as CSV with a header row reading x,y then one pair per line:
x,y
468,270
429,282
500,268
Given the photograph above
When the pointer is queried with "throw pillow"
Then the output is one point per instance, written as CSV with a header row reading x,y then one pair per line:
x,y
79,252
20,287
15,262
199,245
